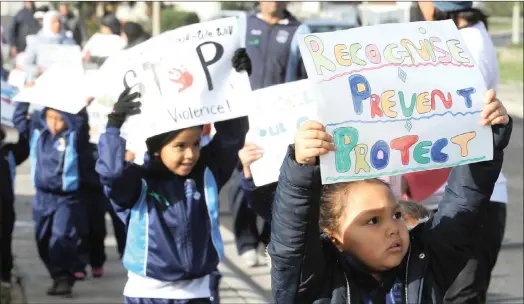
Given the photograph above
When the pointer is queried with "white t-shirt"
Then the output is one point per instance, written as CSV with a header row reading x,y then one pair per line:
x,y
143,287
483,51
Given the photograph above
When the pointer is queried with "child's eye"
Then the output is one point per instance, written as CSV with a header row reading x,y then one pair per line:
x,y
373,221
397,215
197,144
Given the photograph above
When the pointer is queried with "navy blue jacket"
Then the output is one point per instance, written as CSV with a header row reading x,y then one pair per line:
x,y
56,161
273,50
11,155
173,229
308,268
259,199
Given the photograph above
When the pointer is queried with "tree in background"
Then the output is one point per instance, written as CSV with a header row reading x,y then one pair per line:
x,y
502,8
238,5
172,19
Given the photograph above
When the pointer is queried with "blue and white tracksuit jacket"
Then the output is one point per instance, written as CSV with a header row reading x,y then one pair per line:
x,y
55,159
172,221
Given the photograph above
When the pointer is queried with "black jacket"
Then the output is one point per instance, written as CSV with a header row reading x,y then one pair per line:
x,y
11,155
307,268
24,24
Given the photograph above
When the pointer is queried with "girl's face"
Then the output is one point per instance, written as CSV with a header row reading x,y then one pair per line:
x,y
371,227
182,152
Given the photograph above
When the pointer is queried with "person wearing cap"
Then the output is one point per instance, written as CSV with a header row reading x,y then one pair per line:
x,y
170,204
472,23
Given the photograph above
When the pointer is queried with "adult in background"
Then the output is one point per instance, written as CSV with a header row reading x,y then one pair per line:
x,y
24,24
110,25
72,23
52,32
473,284
273,48
133,33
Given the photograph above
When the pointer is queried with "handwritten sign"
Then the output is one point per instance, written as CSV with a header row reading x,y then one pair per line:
x,y
185,78
64,54
276,114
102,45
17,78
7,103
397,98
198,85
60,87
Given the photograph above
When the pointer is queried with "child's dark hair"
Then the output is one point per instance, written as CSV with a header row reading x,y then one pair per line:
x,y
2,133
330,208
471,15
414,210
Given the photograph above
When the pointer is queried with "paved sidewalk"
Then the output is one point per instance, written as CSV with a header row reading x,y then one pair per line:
x,y
513,98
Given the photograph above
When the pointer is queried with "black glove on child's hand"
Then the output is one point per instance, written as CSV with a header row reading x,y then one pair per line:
x,y
123,107
241,61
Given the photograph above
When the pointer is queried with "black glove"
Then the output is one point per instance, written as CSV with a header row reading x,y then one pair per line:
x,y
241,61
123,107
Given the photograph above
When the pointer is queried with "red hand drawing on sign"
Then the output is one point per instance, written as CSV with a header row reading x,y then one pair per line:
x,y
182,77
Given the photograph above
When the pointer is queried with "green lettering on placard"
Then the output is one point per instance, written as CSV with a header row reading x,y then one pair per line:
x,y
420,150
345,139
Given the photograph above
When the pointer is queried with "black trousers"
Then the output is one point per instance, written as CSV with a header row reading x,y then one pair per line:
x,y
97,206
7,218
472,284
247,236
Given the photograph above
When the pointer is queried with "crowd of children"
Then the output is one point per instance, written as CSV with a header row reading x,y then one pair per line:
x,y
352,242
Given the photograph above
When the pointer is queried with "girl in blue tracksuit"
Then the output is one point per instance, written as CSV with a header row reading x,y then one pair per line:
x,y
11,155
347,242
173,242
57,142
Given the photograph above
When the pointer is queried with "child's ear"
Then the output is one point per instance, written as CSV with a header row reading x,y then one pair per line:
x,y
334,240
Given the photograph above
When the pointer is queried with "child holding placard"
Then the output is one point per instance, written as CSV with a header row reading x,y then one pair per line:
x,y
58,142
171,204
11,155
347,242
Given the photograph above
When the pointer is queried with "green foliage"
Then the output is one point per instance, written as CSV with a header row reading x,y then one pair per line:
x,y
502,8
172,19
237,5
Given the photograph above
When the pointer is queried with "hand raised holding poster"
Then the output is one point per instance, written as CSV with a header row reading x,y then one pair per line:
x,y
274,117
397,98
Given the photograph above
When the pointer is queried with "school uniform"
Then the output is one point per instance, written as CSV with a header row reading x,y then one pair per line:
x,y
259,199
58,212
94,197
173,243
308,268
11,155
